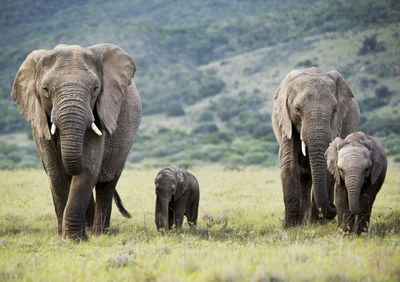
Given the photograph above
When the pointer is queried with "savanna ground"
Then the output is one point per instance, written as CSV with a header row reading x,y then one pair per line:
x,y
239,236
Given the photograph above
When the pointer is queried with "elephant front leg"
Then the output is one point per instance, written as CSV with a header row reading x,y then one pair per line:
x,y
290,177
345,218
104,195
73,226
367,199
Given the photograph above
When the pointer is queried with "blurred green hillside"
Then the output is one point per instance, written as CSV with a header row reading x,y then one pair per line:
x,y
207,70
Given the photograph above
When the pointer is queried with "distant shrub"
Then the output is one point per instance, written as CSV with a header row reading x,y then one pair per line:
x,y
382,126
371,45
206,116
174,109
397,159
205,128
211,87
306,64
383,93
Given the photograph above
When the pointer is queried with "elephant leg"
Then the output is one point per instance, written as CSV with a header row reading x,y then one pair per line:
x,y
171,216
345,218
104,195
290,177
59,192
305,188
367,200
75,210
192,214
179,214
90,212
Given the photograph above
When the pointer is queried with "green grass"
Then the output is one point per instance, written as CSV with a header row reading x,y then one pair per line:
x,y
239,236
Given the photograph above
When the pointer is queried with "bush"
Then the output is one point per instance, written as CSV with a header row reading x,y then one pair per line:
x,y
211,87
383,93
206,116
371,45
381,126
174,109
306,64
205,128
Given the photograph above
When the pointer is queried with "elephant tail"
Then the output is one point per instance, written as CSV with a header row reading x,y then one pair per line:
x,y
120,207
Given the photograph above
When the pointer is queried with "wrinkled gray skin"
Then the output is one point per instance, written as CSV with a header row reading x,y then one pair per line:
x,y
177,195
72,87
315,107
358,164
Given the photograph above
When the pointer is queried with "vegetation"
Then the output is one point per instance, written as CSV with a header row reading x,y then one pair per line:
x,y
207,62
239,236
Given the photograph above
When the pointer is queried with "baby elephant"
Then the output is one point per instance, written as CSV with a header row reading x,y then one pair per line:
x,y
358,164
177,195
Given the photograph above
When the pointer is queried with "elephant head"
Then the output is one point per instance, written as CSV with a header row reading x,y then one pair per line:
x,y
312,105
170,187
353,162
65,91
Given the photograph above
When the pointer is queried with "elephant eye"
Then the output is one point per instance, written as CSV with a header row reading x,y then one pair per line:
x,y
95,88
297,108
46,91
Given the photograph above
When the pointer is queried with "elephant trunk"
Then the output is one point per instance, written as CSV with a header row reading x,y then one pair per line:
x,y
353,187
72,123
317,138
164,214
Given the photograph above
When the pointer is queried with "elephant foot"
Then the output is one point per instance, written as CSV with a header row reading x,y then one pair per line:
x,y
292,221
75,234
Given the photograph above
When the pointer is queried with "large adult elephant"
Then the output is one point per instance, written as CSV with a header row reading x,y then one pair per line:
x,y
310,109
85,111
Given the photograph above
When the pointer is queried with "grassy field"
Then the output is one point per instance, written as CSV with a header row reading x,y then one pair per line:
x,y
239,236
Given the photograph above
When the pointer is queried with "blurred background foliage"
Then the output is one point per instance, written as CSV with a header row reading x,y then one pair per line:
x,y
207,70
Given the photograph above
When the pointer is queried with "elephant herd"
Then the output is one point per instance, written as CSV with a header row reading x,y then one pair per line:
x,y
85,111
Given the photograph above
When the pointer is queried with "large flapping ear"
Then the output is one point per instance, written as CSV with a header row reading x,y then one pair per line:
x,y
281,110
24,94
118,71
331,156
378,156
343,96
182,185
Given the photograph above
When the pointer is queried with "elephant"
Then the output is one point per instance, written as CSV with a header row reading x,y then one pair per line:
x,y
310,109
84,111
358,164
177,195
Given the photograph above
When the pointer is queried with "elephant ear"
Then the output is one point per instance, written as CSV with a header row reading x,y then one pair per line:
x,y
343,96
378,157
118,71
281,110
331,156
24,94
182,186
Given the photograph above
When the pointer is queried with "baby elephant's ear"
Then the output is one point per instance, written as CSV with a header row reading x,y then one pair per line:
x,y
182,184
379,161
331,156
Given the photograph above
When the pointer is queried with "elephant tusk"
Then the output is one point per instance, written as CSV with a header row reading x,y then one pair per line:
x,y
53,129
95,129
303,147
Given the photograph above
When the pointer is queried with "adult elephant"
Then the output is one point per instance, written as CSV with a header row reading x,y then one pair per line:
x,y
85,111
310,109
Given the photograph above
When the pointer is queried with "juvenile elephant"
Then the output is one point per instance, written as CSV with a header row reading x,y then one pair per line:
x,y
358,164
310,109
177,195
85,111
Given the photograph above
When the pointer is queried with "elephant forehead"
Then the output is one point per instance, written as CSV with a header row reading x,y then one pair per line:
x,y
350,156
313,88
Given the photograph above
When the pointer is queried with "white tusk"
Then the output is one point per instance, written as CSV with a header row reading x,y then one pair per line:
x,y
303,147
95,129
53,129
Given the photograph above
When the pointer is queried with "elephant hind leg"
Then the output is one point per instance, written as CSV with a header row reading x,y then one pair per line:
x,y
192,214
90,212
104,195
